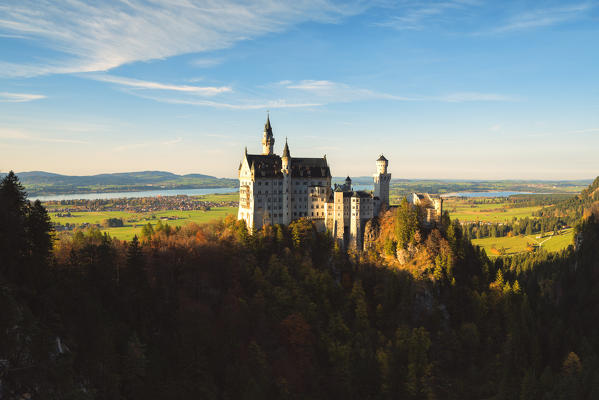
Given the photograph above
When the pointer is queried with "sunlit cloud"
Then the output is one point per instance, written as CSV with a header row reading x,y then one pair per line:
x,y
589,130
543,18
206,62
256,104
474,96
338,92
99,36
21,135
156,144
139,84
6,97
418,15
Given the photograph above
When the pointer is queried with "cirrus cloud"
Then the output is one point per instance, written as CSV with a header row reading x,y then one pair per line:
x,y
98,36
6,97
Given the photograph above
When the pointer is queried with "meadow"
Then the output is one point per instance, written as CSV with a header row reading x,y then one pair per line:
x,y
134,221
518,244
494,210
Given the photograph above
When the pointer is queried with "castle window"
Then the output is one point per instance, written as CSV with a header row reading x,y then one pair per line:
x,y
266,183
259,183
312,214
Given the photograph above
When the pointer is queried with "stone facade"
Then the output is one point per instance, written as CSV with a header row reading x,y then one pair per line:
x,y
431,205
279,189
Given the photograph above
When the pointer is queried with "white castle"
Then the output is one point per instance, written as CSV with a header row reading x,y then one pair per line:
x,y
279,189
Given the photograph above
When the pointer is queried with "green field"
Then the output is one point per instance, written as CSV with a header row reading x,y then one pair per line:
x,y
218,197
518,244
487,212
134,221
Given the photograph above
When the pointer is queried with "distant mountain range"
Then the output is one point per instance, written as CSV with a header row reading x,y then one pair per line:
x,y
40,183
46,183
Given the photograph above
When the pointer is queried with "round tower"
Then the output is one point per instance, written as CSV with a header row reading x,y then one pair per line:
x,y
381,165
381,183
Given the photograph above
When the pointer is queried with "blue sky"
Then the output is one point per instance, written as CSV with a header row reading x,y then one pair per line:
x,y
445,89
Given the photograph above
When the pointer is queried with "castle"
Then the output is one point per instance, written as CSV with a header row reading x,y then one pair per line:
x,y
277,189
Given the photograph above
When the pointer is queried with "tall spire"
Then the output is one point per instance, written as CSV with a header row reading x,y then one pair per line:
x,y
286,149
268,140
267,127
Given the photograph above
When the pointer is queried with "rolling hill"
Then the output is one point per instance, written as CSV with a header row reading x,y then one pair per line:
x,y
46,183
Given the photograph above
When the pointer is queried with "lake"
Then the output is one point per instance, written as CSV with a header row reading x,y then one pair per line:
x,y
149,193
144,193
484,194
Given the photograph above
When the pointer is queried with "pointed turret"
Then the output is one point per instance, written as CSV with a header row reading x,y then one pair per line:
x,y
285,159
268,140
286,149
267,127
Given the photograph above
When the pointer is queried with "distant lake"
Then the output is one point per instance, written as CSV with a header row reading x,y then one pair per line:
x,y
144,193
484,194
149,193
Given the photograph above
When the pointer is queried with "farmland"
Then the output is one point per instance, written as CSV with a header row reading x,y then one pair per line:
x,y
519,244
134,221
501,211
466,211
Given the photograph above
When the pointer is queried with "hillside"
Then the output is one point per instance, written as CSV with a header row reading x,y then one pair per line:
x,y
571,210
214,312
45,183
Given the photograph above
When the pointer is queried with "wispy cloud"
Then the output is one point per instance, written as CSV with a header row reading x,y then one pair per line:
x,y
581,131
543,17
474,96
99,36
139,84
133,146
206,62
6,97
420,15
310,93
20,135
338,92
240,105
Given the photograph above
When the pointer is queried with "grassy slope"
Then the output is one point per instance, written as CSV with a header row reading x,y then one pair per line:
x,y
518,244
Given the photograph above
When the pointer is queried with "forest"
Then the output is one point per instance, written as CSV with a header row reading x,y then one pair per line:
x,y
213,312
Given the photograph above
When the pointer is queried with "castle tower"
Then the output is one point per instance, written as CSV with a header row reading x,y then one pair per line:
x,y
285,169
381,181
347,186
285,159
268,140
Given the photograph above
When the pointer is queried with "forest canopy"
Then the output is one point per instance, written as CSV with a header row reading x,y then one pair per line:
x,y
215,312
